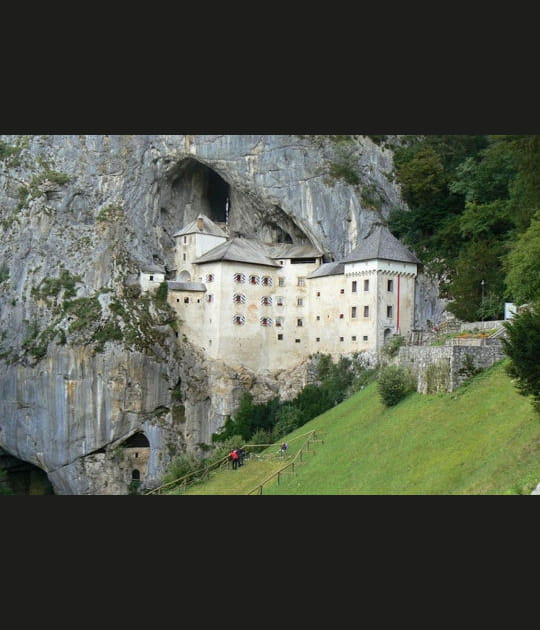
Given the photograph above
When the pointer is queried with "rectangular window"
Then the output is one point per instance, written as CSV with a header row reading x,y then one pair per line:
x,y
389,312
280,337
317,339
183,257
151,278
301,281
186,300
353,337
300,302
209,298
299,322
341,316
365,337
342,291
353,312
297,341
342,338
279,300
354,286
390,285
185,240
366,285
366,311
318,294
318,317
281,282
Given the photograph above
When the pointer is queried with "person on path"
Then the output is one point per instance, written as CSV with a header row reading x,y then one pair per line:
x,y
233,456
241,454
283,448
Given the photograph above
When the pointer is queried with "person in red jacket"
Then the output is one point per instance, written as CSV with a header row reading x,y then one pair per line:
x,y
233,456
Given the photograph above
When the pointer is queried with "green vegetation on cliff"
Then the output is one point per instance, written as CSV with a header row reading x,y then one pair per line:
x,y
484,438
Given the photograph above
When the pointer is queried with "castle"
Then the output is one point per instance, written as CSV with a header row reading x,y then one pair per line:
x,y
269,306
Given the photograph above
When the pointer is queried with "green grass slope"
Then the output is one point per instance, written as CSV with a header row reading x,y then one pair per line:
x,y
483,438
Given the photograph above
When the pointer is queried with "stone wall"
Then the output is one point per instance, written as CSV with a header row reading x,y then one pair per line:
x,y
444,368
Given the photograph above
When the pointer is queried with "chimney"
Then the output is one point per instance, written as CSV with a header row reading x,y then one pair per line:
x,y
200,223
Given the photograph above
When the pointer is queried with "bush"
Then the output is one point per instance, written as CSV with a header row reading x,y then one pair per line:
x,y
394,383
181,466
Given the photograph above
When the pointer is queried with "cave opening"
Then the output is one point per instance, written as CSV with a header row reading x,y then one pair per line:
x,y
137,440
22,478
198,189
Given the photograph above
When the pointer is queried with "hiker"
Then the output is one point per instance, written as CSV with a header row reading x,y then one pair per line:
x,y
233,456
241,454
283,448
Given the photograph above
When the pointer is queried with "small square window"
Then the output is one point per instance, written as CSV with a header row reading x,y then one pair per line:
x,y
317,339
178,299
281,282
353,337
186,300
341,316
280,337
151,278
300,322
318,317
300,302
318,294
342,291
342,338
365,338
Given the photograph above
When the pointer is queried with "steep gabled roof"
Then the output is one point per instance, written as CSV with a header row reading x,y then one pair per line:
x,y
381,244
209,227
238,250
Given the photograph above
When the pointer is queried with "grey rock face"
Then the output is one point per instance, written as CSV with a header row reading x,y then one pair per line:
x,y
84,360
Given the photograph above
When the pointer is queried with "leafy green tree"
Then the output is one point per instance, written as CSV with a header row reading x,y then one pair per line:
x,y
393,384
522,265
522,345
479,260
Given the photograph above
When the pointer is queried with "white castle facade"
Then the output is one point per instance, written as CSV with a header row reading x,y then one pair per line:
x,y
270,306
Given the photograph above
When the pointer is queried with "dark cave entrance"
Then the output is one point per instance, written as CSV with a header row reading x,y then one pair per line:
x,y
137,440
198,189
21,477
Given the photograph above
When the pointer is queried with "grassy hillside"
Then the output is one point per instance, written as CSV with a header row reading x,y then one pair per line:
x,y
482,439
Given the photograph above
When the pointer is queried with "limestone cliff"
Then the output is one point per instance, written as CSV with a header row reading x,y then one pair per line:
x,y
85,359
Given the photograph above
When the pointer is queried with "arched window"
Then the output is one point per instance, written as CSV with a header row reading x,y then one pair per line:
x,y
266,281
239,298
266,300
136,475
239,320
254,280
239,277
210,277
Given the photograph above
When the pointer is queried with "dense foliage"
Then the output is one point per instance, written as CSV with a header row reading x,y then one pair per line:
x,y
393,384
522,345
265,423
474,217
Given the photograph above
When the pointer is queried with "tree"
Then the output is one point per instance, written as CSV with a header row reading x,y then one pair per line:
x,y
393,384
522,265
522,345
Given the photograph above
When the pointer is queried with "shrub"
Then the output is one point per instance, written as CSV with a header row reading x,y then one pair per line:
x,y
394,383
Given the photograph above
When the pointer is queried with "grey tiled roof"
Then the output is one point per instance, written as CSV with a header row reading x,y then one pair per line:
x,y
287,250
209,227
172,285
152,268
380,243
328,269
238,250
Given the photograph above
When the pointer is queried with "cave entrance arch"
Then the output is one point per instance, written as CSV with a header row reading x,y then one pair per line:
x,y
198,189
137,440
21,477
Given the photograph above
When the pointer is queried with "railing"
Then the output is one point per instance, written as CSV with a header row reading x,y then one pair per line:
x,y
203,473
305,448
